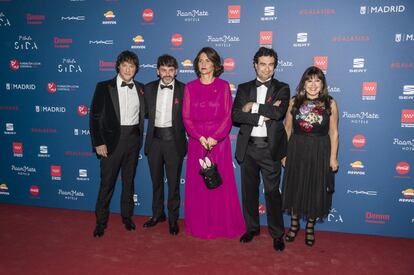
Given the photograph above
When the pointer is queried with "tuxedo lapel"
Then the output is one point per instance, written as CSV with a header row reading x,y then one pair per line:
x,y
113,91
272,91
153,106
175,102
253,92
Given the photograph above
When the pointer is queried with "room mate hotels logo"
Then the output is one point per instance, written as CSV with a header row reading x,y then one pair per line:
x,y
192,15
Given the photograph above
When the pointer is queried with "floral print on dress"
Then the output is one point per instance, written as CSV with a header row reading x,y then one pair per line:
x,y
310,113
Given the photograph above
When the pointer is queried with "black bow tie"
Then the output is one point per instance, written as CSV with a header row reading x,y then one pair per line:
x,y
130,85
259,83
166,86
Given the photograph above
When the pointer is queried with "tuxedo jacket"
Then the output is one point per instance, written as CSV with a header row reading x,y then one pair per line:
x,y
150,92
104,116
277,138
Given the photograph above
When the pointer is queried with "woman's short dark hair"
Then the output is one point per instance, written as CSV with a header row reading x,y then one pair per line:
x,y
167,60
127,56
214,57
263,51
324,96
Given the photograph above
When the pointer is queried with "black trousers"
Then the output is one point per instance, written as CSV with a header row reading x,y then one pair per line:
x,y
258,160
163,156
124,158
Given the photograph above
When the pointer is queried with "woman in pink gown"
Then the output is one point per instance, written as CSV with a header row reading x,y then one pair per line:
x,y
207,107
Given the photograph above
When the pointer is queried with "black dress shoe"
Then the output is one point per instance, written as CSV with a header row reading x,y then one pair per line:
x,y
99,230
174,229
153,221
248,237
129,224
278,244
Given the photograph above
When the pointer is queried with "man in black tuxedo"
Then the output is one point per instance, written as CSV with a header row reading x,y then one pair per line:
x,y
116,127
259,109
166,142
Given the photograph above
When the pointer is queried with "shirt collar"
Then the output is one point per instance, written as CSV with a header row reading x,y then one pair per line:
x,y
162,83
119,81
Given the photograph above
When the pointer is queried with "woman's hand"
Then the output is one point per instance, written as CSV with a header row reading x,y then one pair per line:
x,y
204,142
211,142
283,161
334,164
277,103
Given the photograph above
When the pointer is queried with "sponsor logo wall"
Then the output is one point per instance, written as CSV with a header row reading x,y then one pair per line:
x,y
52,57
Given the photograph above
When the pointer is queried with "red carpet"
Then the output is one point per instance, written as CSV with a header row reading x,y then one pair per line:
x,y
36,240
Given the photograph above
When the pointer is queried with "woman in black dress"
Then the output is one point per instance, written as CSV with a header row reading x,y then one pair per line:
x,y
312,128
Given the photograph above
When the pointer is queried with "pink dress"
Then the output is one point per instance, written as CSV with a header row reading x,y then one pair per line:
x,y
208,213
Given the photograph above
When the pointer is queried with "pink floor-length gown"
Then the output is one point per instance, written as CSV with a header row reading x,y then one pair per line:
x,y
208,213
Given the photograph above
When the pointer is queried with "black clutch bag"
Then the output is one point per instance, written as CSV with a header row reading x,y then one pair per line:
x,y
209,172
330,188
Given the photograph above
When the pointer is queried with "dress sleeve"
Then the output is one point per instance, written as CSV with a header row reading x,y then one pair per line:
x,y
187,117
224,127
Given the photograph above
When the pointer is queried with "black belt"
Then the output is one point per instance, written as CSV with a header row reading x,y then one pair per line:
x,y
128,130
260,142
166,133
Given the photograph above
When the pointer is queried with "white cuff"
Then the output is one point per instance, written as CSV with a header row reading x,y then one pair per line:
x,y
255,108
261,121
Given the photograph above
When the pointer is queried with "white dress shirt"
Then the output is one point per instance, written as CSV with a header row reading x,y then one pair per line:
x,y
163,110
260,130
128,103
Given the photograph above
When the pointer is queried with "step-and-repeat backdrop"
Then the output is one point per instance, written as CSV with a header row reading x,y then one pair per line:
x,y
54,52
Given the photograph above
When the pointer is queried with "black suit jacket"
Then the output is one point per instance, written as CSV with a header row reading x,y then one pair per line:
x,y
150,92
247,92
104,117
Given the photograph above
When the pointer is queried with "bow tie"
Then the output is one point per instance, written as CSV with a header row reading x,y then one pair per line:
x,y
166,86
259,83
130,85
